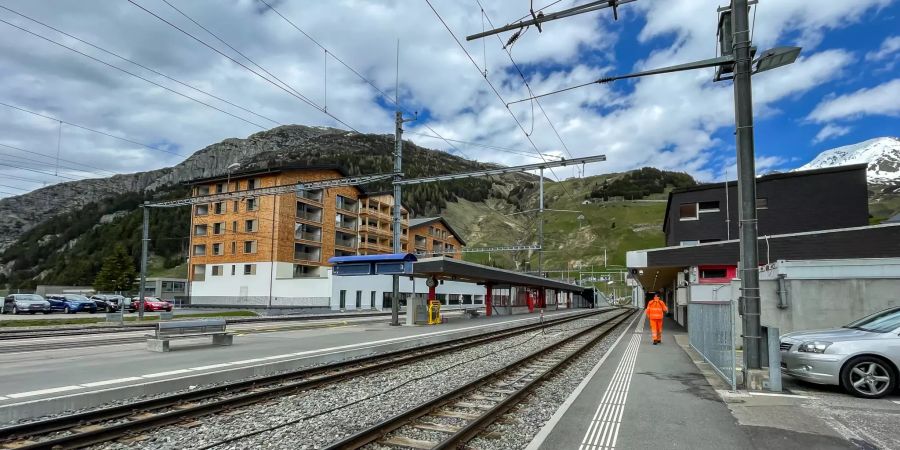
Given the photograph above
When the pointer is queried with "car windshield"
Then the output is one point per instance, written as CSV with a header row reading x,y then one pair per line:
x,y
29,298
880,322
77,298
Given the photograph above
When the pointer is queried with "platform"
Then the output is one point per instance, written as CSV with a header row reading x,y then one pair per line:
x,y
645,396
95,374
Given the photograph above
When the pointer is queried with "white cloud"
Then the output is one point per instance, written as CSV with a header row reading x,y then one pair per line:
x,y
879,100
889,47
830,131
667,121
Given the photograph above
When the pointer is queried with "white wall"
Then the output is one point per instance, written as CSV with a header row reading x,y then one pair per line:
x,y
384,283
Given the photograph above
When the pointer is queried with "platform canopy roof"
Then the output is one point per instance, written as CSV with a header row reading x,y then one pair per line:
x,y
454,269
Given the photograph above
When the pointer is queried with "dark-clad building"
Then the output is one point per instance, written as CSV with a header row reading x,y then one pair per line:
x,y
792,202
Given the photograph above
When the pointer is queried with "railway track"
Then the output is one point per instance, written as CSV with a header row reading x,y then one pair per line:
x,y
121,421
453,419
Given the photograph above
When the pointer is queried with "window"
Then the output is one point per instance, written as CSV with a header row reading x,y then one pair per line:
x,y
201,190
713,272
219,208
232,269
762,203
220,187
301,271
306,252
237,206
711,206
372,300
234,225
218,228
233,248
200,230
688,243
200,250
252,204
343,299
249,269
345,203
218,249
249,246
358,299
217,271
199,272
251,184
250,225
201,210
687,211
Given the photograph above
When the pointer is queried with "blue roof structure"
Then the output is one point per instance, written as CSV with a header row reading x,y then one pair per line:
x,y
390,257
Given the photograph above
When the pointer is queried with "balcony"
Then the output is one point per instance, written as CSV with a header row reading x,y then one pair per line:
x,y
345,223
310,213
344,240
313,195
307,253
346,204
307,233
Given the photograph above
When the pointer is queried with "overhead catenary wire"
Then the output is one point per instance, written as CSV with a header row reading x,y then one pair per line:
x,y
113,66
493,88
285,88
391,99
92,130
145,67
487,146
58,159
6,164
51,165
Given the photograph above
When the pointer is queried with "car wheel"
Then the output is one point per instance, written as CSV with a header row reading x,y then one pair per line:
x,y
67,310
868,377
47,312
15,310
32,312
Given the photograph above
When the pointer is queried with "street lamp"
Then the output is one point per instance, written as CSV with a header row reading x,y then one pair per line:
x,y
776,57
228,178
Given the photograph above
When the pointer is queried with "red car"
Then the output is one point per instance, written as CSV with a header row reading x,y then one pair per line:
x,y
150,304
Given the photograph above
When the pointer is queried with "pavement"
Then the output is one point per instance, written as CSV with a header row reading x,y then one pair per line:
x,y
59,370
660,396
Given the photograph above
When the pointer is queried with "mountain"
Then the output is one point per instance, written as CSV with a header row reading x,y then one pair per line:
x,y
881,154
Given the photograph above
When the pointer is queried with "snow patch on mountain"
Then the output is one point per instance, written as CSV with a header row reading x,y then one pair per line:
x,y
881,154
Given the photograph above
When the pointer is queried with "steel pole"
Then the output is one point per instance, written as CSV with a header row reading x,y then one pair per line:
x,y
743,109
145,239
398,166
541,226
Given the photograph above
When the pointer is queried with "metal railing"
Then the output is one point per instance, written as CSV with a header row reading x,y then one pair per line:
x,y
308,236
711,331
311,216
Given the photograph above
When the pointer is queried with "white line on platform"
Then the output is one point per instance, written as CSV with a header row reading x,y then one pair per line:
x,y
165,374
212,366
44,391
107,382
542,435
603,431
775,394
248,361
3,398
896,401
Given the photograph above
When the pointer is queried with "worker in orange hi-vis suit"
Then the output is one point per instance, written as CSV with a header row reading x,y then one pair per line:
x,y
655,311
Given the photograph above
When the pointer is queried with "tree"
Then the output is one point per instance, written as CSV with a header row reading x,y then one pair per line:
x,y
117,273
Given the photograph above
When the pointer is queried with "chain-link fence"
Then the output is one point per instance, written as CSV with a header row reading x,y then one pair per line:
x,y
711,330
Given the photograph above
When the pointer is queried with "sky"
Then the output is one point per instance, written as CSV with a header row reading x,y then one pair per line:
x,y
335,64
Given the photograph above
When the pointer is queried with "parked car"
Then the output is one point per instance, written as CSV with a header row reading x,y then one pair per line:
x,y
863,357
25,303
71,303
108,302
150,304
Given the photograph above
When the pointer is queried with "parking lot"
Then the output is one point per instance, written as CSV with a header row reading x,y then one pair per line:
x,y
868,423
61,316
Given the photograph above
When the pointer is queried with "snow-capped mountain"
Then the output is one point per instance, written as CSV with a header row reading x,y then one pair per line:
x,y
881,154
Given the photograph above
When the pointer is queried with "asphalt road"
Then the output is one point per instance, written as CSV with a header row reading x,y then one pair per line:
x,y
60,315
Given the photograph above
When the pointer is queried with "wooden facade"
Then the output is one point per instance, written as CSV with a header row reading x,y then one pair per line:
x,y
434,236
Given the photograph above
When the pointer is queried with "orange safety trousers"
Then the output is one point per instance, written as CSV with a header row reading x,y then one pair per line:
x,y
656,329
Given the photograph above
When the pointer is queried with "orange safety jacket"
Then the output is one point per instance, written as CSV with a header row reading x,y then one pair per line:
x,y
656,309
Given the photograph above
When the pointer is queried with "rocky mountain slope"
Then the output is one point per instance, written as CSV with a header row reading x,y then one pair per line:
x,y
881,154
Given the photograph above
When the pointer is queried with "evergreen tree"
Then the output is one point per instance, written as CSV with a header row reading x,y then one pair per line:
x,y
117,273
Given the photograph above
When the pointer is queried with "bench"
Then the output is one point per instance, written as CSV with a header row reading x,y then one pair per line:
x,y
181,329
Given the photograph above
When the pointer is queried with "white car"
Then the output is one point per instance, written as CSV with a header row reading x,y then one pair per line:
x,y
862,357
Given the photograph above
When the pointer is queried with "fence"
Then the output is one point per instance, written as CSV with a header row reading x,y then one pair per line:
x,y
711,331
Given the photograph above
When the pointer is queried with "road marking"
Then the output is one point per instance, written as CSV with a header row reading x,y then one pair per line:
x,y
44,391
603,430
165,374
542,435
106,382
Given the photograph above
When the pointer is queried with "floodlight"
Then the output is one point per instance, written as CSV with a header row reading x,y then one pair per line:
x,y
776,57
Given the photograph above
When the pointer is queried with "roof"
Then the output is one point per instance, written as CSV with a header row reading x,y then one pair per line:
x,y
422,221
761,179
455,269
388,257
267,171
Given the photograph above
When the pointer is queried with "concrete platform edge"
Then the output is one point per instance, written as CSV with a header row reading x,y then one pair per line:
x,y
545,431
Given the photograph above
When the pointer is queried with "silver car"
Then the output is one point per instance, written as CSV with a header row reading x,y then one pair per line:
x,y
862,357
